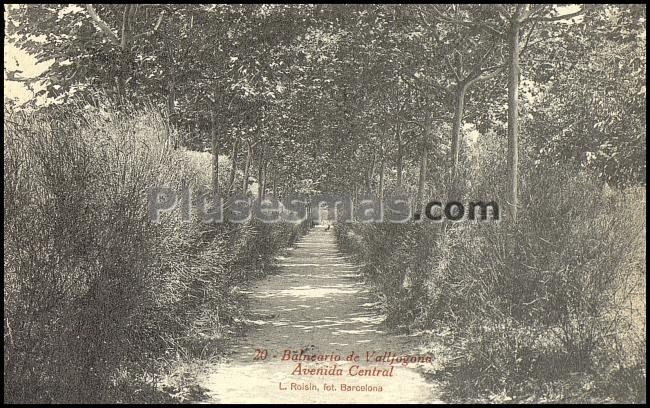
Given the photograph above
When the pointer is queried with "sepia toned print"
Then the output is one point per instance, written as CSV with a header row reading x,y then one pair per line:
x,y
354,203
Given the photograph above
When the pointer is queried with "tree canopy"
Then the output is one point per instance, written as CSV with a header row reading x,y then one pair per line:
x,y
360,97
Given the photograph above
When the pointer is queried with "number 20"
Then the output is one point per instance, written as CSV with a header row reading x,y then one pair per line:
x,y
260,354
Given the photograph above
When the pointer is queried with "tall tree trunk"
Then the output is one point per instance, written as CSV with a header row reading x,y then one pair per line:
x,y
456,138
380,192
513,123
421,180
265,170
260,177
124,68
371,175
170,112
171,90
247,168
233,167
423,165
215,155
126,35
400,164
275,192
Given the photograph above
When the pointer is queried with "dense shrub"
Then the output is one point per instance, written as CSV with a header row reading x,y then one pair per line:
x,y
96,297
532,304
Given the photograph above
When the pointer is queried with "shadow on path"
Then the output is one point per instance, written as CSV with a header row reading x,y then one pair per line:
x,y
318,304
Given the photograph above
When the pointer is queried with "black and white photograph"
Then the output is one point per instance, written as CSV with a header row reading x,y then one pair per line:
x,y
324,203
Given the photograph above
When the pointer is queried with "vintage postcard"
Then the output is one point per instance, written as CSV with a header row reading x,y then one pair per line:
x,y
318,203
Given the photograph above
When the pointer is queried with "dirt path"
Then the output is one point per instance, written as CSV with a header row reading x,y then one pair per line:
x,y
318,304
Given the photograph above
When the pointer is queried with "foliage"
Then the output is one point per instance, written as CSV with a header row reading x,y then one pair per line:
x,y
97,298
359,99
528,304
